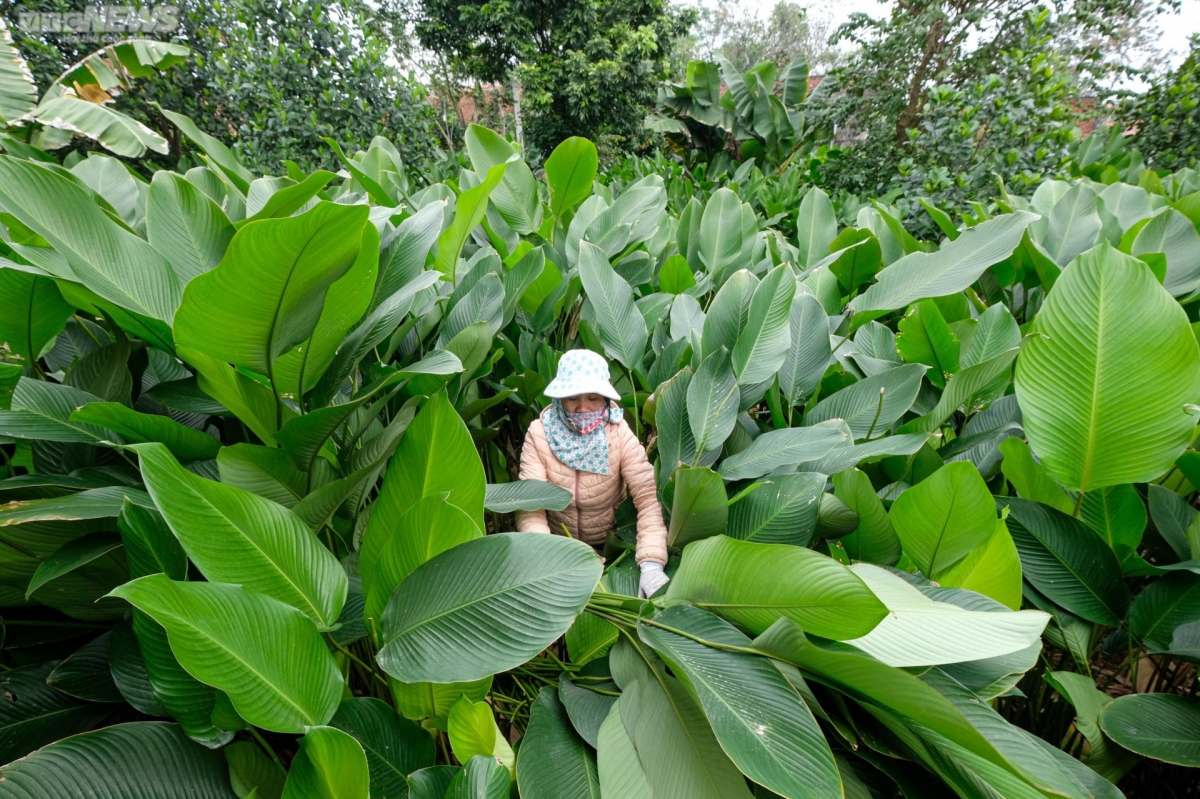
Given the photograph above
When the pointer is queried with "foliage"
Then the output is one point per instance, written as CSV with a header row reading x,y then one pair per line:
x,y
585,69
738,34
260,435
1167,117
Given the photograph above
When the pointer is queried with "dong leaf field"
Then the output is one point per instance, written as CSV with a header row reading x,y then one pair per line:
x,y
931,501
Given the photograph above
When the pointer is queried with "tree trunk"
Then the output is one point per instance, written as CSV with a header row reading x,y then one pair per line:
x,y
912,111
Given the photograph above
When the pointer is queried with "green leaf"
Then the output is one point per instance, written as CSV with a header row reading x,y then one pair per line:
x,y
18,92
510,597
993,570
944,517
40,714
951,269
816,227
483,303
469,212
111,129
1029,478
395,747
875,540
435,456
728,313
712,402
782,510
428,528
1118,515
40,409
129,672
919,631
33,313
85,673
1109,760
747,583
472,731
763,344
1073,224
856,258
700,507
1161,607
587,709
234,536
926,338
807,358
433,701
1174,735
1103,386
776,449
760,720
217,152
720,243
570,170
185,443
554,762
1064,560
250,769
185,225
516,198
622,328
525,495
481,778
266,295
329,765
870,406
283,197
621,774
253,403
268,657
71,556
432,782
676,276
103,255
941,219
674,743
138,759
1172,234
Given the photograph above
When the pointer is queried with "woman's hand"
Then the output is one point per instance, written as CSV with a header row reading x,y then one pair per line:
x,y
653,578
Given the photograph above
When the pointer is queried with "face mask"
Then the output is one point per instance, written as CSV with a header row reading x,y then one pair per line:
x,y
582,421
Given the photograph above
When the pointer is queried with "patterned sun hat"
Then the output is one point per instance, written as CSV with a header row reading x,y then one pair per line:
x,y
581,372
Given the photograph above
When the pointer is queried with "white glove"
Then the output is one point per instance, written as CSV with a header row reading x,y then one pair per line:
x,y
653,578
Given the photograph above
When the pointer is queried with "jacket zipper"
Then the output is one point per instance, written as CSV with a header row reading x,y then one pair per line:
x,y
578,509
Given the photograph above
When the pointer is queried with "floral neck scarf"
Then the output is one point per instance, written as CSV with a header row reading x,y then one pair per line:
x,y
580,440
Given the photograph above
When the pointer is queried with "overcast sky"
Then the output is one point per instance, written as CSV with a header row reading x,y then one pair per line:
x,y
1175,28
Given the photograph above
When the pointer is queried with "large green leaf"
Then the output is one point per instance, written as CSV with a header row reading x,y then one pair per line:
x,y
1162,726
510,596
554,762
1108,759
763,344
1174,235
111,129
569,172
18,92
951,269
473,731
816,226
620,770
481,778
748,583
1103,387
266,294
40,409
40,713
435,456
102,254
622,328
395,746
185,443
1073,225
234,536
586,708
727,314
671,738
712,402
469,212
128,760
870,406
993,569
329,765
700,507
33,313
85,674
428,528
525,495
875,540
920,631
760,720
516,198
778,448
268,657
926,338
1067,562
944,517
720,237
185,225
806,359
434,701
1162,607
782,510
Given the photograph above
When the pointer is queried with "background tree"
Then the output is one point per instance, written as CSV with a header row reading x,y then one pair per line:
x,y
271,77
745,39
1167,117
586,69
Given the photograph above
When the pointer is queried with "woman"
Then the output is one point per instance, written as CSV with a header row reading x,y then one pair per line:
x,y
582,443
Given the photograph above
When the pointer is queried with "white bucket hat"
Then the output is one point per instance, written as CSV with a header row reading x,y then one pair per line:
x,y
581,372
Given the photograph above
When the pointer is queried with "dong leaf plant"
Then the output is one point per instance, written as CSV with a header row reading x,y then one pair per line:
x,y
260,439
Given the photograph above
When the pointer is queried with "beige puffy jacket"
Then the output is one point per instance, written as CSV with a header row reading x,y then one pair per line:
x,y
590,516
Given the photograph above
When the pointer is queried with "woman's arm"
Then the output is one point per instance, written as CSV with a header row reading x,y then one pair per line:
x,y
532,468
638,475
